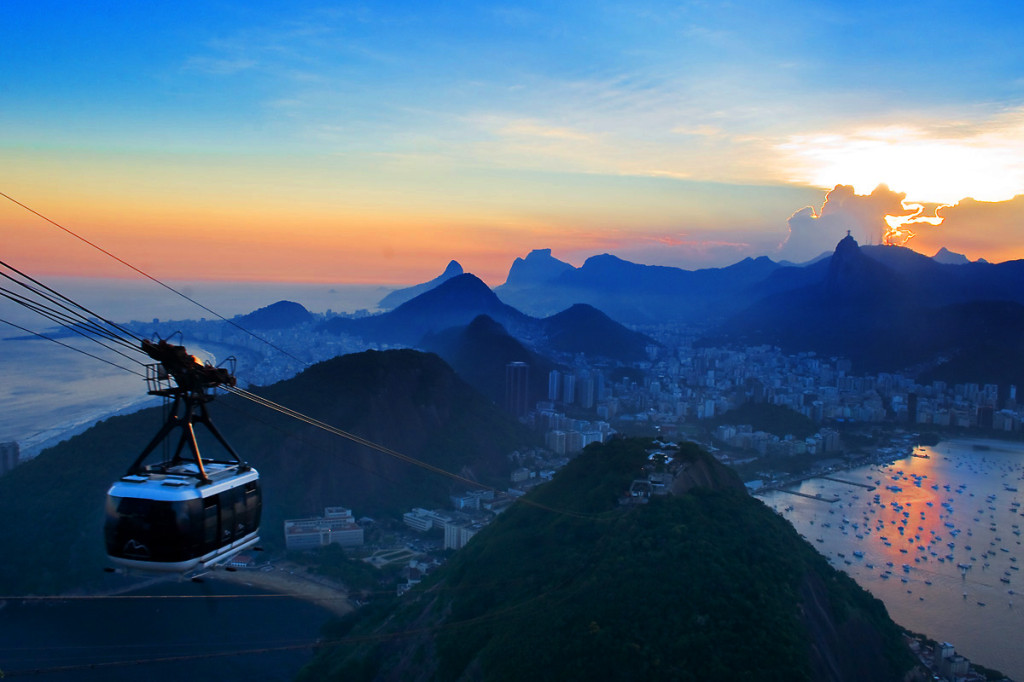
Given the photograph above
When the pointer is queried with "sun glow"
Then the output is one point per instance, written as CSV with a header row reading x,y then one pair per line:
x,y
940,165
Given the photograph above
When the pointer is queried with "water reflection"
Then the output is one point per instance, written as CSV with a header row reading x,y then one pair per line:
x,y
936,536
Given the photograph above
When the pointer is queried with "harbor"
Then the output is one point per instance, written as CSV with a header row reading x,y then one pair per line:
x,y
935,535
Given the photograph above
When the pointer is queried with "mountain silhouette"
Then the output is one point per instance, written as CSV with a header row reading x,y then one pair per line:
x,y
480,352
405,400
453,303
460,300
631,293
280,315
585,329
885,308
400,296
538,268
948,257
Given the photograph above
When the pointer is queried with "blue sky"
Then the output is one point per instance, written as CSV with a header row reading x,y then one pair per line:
x,y
678,133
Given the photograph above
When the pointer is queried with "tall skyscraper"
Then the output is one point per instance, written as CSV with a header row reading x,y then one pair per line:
x,y
569,389
586,392
517,388
554,384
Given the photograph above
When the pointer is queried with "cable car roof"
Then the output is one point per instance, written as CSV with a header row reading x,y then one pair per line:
x,y
180,483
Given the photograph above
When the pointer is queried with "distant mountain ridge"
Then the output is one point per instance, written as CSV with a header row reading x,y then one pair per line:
x,y
886,308
880,305
280,315
630,293
946,256
453,303
400,296
538,268
460,300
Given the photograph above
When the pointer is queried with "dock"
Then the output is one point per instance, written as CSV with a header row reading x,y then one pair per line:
x,y
830,500
840,480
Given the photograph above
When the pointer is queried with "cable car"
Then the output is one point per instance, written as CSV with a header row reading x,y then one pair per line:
x,y
188,511
169,522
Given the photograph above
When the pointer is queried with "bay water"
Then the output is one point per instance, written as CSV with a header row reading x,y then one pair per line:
x,y
169,631
936,536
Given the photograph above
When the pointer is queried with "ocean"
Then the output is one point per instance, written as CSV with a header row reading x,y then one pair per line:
x,y
169,632
49,393
937,539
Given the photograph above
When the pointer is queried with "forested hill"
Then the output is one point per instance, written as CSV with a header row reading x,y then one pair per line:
x,y
705,585
412,402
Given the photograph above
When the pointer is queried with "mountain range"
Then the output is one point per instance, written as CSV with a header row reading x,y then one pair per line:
x,y
457,301
885,308
631,293
636,294
888,308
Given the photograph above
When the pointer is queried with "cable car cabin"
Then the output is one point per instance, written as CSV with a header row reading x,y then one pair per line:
x,y
169,520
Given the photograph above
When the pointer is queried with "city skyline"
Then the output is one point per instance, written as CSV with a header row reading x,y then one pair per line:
x,y
354,144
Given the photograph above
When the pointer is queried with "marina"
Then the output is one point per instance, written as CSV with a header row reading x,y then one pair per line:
x,y
936,536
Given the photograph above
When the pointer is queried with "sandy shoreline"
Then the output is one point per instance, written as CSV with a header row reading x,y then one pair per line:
x,y
283,578
294,581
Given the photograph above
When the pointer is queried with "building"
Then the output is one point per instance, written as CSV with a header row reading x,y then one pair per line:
x,y
554,385
586,390
555,441
569,389
423,520
517,388
948,663
466,501
457,534
9,456
336,526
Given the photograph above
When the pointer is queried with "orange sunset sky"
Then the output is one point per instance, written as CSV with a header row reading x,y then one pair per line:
x,y
372,144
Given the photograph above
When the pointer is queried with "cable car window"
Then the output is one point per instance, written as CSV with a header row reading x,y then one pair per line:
x,y
149,530
239,527
227,514
252,506
210,521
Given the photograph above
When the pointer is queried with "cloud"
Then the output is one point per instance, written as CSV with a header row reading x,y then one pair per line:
x,y
978,229
812,233
219,67
937,160
531,128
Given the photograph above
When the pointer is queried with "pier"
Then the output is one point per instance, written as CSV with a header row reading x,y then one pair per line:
x,y
840,480
818,497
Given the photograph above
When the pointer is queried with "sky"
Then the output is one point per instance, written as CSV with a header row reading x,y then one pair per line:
x,y
372,143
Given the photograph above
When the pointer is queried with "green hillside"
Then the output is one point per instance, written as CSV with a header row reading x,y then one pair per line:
x,y
775,419
412,402
707,585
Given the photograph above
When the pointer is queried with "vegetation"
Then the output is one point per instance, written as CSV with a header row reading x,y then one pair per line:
x,y
570,585
775,419
53,505
356,575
